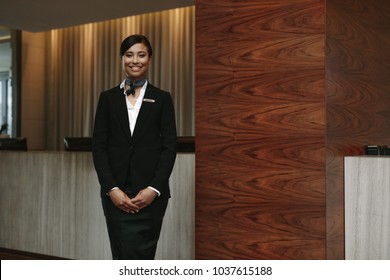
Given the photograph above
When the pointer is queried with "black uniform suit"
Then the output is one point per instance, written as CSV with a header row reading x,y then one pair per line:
x,y
134,162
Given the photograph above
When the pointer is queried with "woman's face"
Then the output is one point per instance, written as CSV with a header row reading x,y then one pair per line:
x,y
136,61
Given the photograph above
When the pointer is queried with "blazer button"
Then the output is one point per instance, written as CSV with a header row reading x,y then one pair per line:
x,y
131,148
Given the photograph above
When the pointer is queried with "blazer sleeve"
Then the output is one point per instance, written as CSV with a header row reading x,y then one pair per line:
x,y
169,144
100,143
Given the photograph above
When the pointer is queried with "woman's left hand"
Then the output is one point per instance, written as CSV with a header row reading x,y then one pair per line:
x,y
144,198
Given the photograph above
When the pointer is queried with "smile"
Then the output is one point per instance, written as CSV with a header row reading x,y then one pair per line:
x,y
135,68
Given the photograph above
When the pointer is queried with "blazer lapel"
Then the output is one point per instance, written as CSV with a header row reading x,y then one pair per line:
x,y
147,104
120,104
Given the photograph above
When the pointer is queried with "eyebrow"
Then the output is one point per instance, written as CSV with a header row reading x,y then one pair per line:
x,y
136,52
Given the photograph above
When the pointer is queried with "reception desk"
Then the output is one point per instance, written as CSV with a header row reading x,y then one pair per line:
x,y
367,207
50,204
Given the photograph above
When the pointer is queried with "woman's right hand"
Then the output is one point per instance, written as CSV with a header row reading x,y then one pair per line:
x,y
122,201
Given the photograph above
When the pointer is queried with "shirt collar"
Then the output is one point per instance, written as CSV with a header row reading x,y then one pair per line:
x,y
122,86
141,94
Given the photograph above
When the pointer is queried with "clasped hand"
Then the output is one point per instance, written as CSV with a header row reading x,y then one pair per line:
x,y
132,205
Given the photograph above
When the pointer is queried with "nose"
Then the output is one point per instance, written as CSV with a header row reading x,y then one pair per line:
x,y
135,59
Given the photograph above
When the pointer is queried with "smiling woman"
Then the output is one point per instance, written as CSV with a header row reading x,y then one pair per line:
x,y
134,151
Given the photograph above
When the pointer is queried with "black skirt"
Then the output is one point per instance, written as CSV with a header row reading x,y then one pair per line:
x,y
134,236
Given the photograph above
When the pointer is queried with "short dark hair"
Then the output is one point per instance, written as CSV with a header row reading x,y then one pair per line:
x,y
135,39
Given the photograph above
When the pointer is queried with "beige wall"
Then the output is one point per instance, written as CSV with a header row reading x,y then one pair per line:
x,y
33,89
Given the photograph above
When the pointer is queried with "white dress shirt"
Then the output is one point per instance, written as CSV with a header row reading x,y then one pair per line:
x,y
133,111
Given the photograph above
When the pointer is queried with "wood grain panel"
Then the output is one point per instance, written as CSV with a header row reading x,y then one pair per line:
x,y
260,130
358,100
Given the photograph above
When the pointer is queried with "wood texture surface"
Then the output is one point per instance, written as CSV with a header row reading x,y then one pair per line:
x,y
273,125
260,130
50,204
358,99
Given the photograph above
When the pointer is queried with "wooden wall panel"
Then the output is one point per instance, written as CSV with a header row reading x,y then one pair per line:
x,y
358,99
260,130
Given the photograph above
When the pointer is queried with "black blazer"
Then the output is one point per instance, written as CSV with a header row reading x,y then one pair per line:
x,y
146,157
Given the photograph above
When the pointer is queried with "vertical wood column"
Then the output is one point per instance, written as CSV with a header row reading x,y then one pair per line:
x,y
358,99
260,129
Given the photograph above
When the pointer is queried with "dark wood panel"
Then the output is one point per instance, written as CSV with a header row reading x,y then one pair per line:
x,y
358,99
260,130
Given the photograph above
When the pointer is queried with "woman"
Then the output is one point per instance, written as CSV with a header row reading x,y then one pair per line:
x,y
134,150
